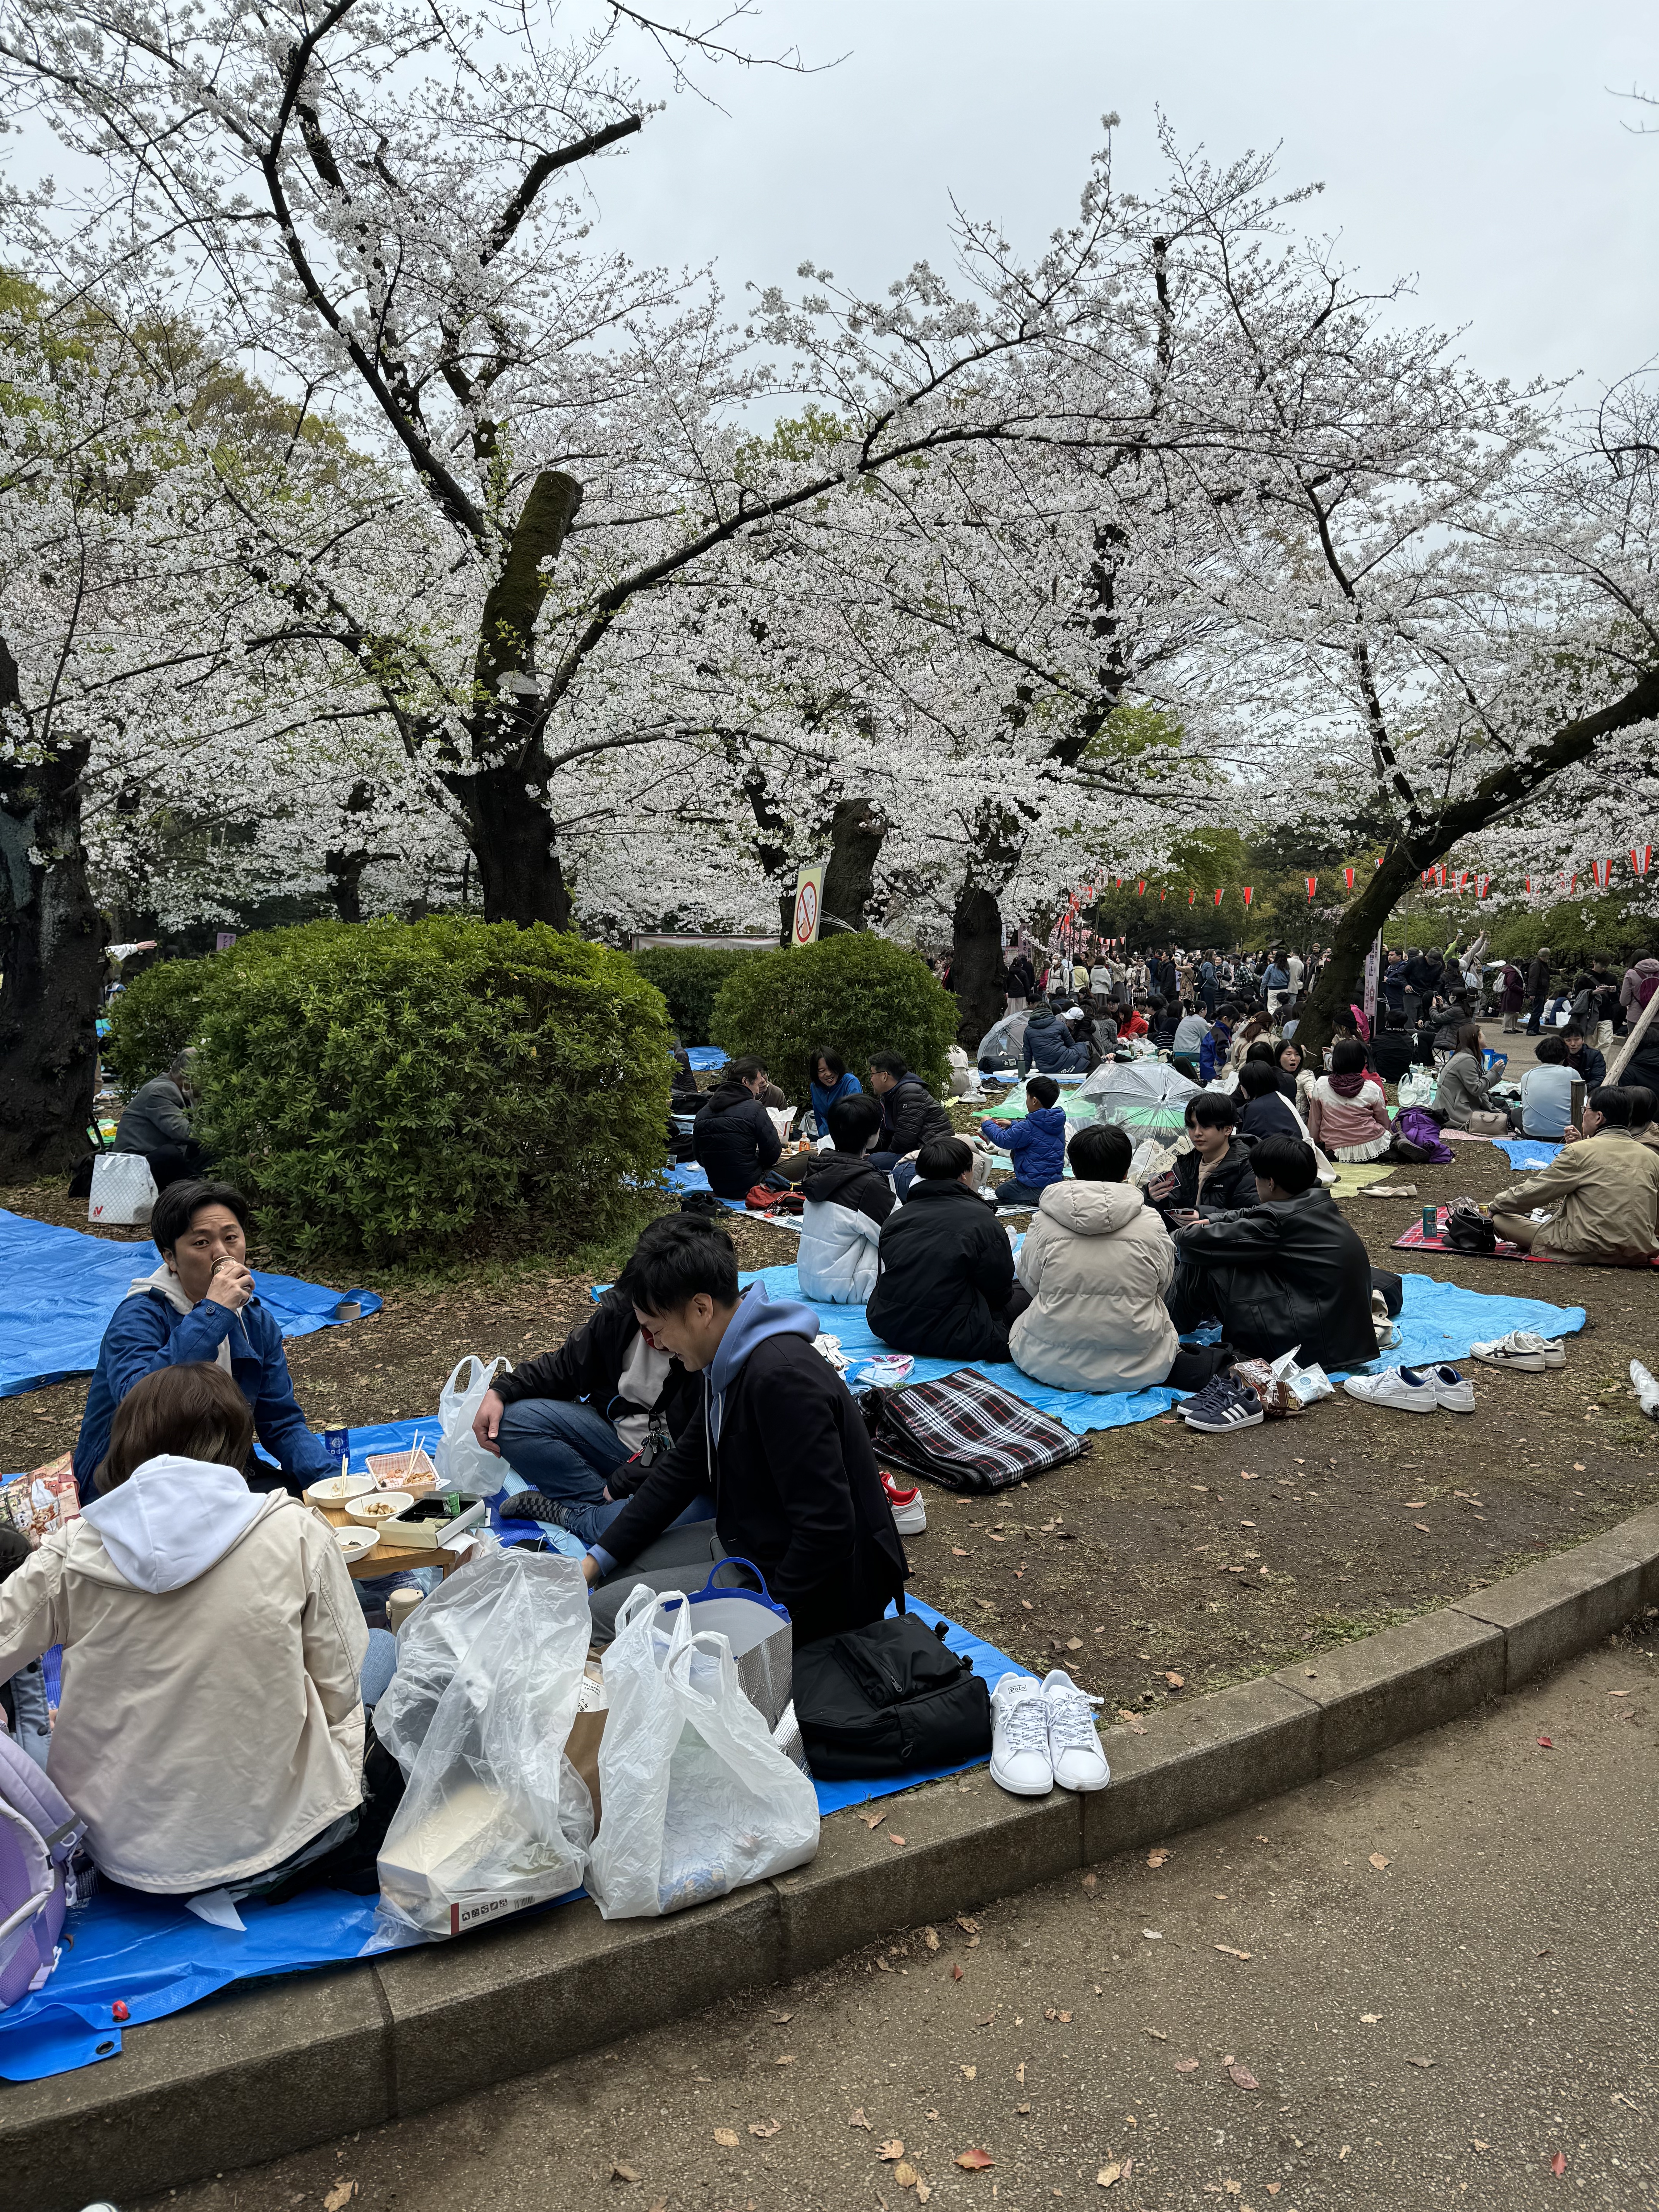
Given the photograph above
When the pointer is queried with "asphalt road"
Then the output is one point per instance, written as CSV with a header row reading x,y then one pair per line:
x,y
1426,1982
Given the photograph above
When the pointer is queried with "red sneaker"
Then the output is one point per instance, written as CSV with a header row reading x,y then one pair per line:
x,y
910,1513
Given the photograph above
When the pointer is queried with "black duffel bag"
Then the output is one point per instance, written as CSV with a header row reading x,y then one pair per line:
x,y
888,1699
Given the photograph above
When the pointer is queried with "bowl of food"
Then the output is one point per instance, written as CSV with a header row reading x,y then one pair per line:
x,y
355,1543
375,1512
339,1489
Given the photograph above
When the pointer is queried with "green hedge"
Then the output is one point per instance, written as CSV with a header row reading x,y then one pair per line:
x,y
158,1014
432,1089
690,981
855,994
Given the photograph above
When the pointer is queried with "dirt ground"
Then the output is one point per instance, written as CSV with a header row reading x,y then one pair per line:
x,y
1159,1563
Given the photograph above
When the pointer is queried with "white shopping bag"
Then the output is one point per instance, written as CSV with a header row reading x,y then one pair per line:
x,y
123,1189
463,1463
698,1799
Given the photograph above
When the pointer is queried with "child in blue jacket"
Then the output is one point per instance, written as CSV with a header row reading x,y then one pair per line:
x,y
1036,1145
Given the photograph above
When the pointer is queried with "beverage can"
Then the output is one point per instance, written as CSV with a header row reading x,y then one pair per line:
x,y
1431,1220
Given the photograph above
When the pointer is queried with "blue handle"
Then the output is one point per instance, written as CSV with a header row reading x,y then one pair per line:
x,y
762,1596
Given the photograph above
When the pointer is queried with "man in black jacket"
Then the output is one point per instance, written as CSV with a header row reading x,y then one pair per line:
x,y
1216,1175
735,1140
946,1270
780,1445
583,1424
1285,1272
910,1114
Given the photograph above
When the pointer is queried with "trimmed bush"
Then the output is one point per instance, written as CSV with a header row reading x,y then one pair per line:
x,y
432,1089
158,1014
690,981
855,994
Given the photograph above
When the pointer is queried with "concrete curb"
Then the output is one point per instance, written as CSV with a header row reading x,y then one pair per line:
x,y
272,2067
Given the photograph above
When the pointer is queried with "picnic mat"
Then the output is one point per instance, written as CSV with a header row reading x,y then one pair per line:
x,y
692,1177
1415,1241
63,1286
705,1055
1352,1175
155,1957
1526,1152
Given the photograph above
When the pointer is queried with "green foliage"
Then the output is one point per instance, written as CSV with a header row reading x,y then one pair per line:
x,y
690,981
432,1089
855,994
1577,932
155,1017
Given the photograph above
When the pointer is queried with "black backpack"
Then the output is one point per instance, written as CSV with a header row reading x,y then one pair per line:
x,y
1469,1231
889,1699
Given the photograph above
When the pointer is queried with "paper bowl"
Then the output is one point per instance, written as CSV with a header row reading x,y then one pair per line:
x,y
339,1489
355,1543
375,1512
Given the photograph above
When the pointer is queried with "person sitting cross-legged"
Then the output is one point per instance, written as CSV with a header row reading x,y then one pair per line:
x,y
1036,1145
1347,1109
1547,1092
946,1276
1096,1262
847,1201
1216,1174
1602,1191
734,1138
910,1114
1267,1111
777,1438
1287,1271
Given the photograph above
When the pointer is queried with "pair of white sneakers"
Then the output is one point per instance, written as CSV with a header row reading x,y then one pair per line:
x,y
1044,1733
1414,1390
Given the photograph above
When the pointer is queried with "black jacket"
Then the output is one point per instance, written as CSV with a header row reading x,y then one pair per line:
x,y
1050,1046
735,1140
847,1179
1230,1184
946,1272
1391,1053
1268,1116
1290,1272
589,1363
910,1117
1021,978
796,1489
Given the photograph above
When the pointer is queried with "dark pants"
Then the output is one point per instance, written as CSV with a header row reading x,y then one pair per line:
x,y
1014,1192
1537,1021
1194,1364
176,1163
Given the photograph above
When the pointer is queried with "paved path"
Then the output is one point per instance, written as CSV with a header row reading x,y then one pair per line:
x,y
1433,2031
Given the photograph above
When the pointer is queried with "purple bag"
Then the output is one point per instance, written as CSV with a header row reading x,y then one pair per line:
x,y
1419,1126
37,1833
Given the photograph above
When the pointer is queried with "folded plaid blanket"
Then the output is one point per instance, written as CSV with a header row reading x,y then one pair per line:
x,y
965,1433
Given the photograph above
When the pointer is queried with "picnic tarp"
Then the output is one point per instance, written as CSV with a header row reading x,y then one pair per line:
x,y
62,1286
1527,1151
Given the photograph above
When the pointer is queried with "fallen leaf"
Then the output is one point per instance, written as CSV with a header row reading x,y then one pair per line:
x,y
974,2161
1107,2175
891,2150
726,2138
1021,2109
621,2172
1091,1881
1243,2077
1545,1744
1343,2152
1154,1934
660,2205
1131,1722
899,1840
1419,2062
1478,2144
956,1972
969,2073
956,1552
765,2128
1273,2188
1370,2019
1074,1644
872,1820
783,2018
1178,1681
1424,1527
905,2174
1228,1952
967,1923
789,2060
1415,1504
1379,1861
1619,1694
987,2022
1558,2163
1019,2073
1159,2034
1186,2066
1159,1857
923,2193
1026,1603
930,1935
342,2193
858,2120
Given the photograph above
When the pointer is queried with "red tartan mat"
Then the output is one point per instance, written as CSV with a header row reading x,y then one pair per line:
x,y
1415,1241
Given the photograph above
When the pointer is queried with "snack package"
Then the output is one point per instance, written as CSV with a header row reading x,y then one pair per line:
x,y
1262,1377
405,1470
37,1503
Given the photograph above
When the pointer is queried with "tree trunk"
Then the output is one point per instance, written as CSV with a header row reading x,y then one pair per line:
x,y
345,866
976,972
1493,797
856,834
503,795
51,962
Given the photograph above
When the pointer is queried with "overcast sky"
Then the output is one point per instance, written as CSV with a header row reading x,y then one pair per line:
x,y
1480,148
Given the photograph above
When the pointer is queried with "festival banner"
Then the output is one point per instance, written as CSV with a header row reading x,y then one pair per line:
x,y
1348,878
1191,896
1312,882
1140,892
1481,887
1247,901
1639,857
1600,872
1217,901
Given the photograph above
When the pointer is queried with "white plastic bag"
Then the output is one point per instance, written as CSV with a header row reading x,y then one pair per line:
x,y
463,1463
494,1817
698,1799
1416,1087
123,1189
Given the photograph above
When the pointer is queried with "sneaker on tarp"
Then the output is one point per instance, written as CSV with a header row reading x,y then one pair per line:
x,y
1223,1405
1020,1758
909,1509
1406,1389
1074,1748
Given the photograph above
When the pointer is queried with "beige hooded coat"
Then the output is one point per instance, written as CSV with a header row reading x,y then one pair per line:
x,y
1096,1260
212,1717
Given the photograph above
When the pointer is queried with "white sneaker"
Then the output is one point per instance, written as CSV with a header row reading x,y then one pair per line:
x,y
1555,1352
1407,1389
1647,1390
909,1507
1453,1393
1073,1741
1020,1763
1519,1348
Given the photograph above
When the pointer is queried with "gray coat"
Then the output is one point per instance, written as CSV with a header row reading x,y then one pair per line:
x,y
153,1118
1462,1090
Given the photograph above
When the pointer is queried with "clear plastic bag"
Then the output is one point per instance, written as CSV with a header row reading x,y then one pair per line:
x,y
697,1797
463,1463
494,1817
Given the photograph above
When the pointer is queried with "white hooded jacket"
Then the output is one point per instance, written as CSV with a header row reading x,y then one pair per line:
x,y
212,1719
1096,1260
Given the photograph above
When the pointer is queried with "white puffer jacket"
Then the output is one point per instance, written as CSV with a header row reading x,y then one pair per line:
x,y
847,1201
212,1717
1096,1260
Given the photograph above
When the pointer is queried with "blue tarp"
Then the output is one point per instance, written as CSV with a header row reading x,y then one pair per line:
x,y
58,1288
705,1055
1527,1151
